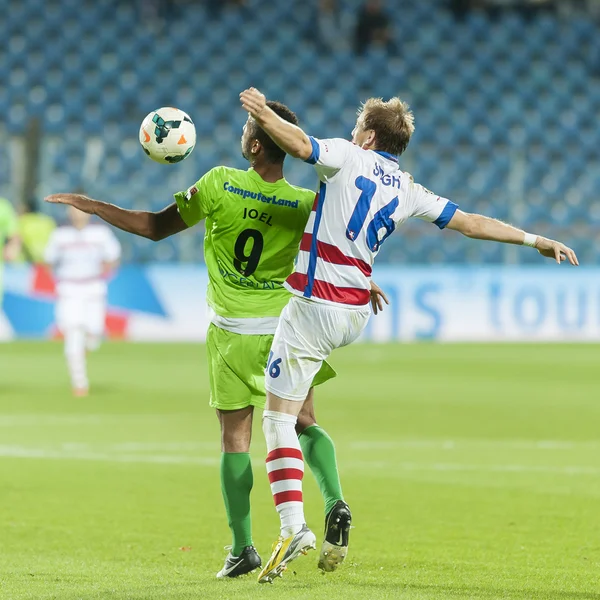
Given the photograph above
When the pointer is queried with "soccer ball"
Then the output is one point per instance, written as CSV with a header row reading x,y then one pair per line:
x,y
167,135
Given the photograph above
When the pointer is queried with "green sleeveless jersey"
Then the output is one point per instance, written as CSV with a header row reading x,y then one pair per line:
x,y
253,234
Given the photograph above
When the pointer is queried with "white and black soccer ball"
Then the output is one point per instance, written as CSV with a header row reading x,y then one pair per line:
x,y
168,135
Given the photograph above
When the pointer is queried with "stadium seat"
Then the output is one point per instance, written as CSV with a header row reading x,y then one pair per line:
x,y
493,100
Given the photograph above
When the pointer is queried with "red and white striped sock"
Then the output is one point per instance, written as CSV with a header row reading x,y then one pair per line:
x,y
285,467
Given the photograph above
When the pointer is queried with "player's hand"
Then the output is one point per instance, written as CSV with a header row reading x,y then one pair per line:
x,y
556,250
253,101
378,297
83,203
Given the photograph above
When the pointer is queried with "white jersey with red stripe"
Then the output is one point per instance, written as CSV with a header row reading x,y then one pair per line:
x,y
363,197
78,258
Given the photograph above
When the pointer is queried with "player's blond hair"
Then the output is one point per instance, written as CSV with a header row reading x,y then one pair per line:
x,y
392,122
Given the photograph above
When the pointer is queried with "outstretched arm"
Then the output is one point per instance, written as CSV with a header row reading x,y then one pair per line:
x,y
484,228
290,138
152,225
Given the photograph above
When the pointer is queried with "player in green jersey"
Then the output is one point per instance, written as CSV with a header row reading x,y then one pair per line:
x,y
9,240
254,223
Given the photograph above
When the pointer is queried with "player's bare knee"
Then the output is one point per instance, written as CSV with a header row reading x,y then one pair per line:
x,y
235,439
304,421
236,430
232,445
306,417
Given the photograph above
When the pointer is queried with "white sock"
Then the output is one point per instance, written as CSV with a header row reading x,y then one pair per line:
x,y
75,354
285,467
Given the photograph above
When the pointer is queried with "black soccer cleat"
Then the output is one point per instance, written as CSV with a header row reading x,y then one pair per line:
x,y
337,532
243,564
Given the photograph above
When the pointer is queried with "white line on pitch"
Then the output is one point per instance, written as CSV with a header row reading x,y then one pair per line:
x,y
442,444
137,446
35,420
74,419
49,454
490,468
58,454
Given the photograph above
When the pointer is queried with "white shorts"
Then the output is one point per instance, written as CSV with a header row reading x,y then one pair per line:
x,y
307,333
81,311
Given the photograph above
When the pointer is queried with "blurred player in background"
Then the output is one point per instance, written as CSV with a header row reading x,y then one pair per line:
x,y
254,225
363,196
81,257
10,243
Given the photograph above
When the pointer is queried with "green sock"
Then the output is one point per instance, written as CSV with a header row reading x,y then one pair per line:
x,y
319,452
236,484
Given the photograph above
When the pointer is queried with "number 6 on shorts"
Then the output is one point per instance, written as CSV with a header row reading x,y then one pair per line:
x,y
273,367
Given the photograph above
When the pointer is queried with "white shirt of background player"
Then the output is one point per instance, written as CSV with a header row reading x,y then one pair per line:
x,y
81,256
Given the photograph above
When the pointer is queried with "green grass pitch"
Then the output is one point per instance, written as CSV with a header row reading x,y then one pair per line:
x,y
473,471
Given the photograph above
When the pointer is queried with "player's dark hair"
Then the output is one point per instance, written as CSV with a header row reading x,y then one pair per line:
x,y
273,153
392,122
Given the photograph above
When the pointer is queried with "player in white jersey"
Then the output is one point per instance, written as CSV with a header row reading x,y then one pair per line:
x,y
363,197
81,256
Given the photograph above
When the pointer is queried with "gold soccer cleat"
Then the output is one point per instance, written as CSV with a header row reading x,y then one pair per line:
x,y
285,550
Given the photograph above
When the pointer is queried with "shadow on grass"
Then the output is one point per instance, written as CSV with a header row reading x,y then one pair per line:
x,y
103,389
450,591
300,590
382,589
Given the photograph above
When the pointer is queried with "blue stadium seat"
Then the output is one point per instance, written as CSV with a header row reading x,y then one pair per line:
x,y
491,97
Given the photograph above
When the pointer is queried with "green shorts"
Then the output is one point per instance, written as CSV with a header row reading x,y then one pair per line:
x,y
236,368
